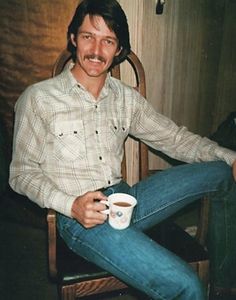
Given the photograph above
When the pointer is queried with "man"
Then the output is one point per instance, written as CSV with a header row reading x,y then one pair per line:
x,y
68,146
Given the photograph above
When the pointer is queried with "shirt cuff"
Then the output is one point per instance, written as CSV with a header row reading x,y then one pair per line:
x,y
63,204
225,154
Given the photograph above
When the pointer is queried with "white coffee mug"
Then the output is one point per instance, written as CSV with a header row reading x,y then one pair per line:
x,y
120,209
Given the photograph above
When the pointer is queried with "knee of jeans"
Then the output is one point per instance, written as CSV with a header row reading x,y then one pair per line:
x,y
222,168
224,174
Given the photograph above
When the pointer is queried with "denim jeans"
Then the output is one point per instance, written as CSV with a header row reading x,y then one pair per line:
x,y
222,239
132,256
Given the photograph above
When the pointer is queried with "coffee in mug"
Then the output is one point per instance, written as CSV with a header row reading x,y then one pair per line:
x,y
123,204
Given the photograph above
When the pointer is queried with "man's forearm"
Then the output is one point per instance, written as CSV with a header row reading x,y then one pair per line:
x,y
38,188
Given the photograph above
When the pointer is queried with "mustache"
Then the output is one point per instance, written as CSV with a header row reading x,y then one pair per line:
x,y
94,56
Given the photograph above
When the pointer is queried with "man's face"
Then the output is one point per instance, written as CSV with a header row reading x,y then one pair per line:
x,y
96,46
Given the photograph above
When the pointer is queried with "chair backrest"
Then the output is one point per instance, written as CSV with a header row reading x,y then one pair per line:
x,y
139,74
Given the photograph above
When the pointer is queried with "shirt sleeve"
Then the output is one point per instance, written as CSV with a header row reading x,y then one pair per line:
x,y
26,175
162,134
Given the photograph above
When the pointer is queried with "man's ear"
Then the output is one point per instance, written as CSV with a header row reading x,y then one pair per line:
x,y
72,38
118,51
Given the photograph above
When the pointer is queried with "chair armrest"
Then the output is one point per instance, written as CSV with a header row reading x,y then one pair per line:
x,y
52,243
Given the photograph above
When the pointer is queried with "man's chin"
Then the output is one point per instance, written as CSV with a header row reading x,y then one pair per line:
x,y
96,73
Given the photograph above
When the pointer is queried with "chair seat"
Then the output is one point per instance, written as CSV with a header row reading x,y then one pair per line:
x,y
72,268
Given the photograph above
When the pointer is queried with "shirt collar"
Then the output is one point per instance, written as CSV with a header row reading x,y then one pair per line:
x,y
67,79
69,82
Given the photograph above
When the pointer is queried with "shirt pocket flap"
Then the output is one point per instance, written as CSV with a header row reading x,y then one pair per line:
x,y
68,140
67,128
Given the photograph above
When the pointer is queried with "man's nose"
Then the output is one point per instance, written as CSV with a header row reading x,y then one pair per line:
x,y
97,47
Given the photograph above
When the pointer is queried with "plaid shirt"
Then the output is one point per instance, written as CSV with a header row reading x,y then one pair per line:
x,y
67,143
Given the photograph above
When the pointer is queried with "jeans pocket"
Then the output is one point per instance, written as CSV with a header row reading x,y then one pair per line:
x,y
68,228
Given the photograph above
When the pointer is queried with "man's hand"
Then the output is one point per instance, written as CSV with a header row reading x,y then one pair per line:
x,y
86,209
234,169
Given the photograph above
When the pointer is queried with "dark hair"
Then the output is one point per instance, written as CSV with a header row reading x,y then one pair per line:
x,y
114,17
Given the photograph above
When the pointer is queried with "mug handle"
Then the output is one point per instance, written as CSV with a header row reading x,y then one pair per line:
x,y
106,211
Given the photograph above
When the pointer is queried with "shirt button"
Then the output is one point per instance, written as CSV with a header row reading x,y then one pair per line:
x,y
96,106
109,182
100,157
96,132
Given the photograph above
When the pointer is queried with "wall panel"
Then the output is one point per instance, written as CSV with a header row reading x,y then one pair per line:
x,y
189,56
32,33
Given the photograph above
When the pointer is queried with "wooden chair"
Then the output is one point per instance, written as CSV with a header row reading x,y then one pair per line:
x,y
78,278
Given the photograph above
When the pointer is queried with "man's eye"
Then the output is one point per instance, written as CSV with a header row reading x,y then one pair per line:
x,y
109,42
86,37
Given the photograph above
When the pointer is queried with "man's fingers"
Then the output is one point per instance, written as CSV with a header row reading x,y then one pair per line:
x,y
87,208
94,219
97,195
98,206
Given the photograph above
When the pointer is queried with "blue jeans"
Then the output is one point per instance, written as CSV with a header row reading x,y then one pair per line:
x,y
132,256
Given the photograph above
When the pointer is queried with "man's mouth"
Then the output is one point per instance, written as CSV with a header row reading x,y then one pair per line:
x,y
95,58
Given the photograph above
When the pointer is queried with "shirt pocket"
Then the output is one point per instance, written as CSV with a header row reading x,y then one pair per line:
x,y
68,140
116,133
